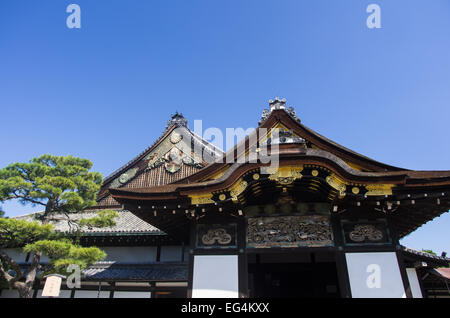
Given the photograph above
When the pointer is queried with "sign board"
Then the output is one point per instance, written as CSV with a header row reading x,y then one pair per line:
x,y
52,286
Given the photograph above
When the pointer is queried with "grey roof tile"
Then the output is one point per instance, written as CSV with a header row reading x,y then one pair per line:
x,y
127,222
146,272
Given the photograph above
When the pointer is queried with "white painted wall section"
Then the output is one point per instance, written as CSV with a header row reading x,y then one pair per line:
x,y
375,275
215,276
414,283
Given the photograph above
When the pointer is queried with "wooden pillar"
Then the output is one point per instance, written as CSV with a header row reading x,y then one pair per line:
x,y
218,270
341,264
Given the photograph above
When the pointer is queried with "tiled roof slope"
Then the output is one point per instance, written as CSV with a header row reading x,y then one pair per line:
x,y
137,272
155,165
127,222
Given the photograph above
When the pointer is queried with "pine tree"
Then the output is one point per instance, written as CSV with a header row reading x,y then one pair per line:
x,y
60,184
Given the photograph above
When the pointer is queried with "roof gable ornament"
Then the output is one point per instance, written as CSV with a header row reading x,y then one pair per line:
x,y
176,119
276,104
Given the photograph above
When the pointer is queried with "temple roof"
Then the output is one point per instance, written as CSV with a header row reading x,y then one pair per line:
x,y
319,166
109,271
126,223
163,162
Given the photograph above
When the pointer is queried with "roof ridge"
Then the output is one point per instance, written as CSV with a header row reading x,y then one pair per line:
x,y
136,158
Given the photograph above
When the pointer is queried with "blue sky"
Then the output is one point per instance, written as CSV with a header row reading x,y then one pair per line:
x,y
105,91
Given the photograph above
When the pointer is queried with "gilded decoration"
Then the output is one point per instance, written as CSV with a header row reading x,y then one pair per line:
x,y
286,175
280,134
124,178
355,190
289,231
205,198
170,154
337,183
379,189
237,189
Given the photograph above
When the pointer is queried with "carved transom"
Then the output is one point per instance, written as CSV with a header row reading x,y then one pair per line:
x,y
216,235
362,231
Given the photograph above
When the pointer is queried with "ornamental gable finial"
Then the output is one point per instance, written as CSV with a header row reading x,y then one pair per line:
x,y
176,119
276,104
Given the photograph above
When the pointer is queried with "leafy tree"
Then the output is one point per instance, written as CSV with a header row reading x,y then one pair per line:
x,y
60,185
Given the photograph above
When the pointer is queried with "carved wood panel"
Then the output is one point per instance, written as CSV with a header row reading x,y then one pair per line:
x,y
289,231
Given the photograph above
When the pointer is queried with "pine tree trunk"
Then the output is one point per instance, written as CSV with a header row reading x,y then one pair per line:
x,y
25,292
23,289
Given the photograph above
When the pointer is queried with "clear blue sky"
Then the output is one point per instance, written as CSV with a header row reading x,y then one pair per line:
x,y
105,91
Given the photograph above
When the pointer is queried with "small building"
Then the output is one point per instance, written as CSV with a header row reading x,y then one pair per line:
x,y
285,213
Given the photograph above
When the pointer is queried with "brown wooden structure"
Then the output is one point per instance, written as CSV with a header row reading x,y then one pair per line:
x,y
320,208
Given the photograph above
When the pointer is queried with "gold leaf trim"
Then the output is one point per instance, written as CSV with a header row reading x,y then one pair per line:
x,y
286,175
237,189
201,198
379,189
338,184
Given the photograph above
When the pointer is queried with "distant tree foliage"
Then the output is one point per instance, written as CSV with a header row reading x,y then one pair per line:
x,y
60,185
429,252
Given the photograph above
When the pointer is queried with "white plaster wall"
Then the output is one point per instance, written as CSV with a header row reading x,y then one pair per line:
x,y
374,275
215,276
170,254
91,294
137,254
16,254
131,294
414,283
19,256
9,293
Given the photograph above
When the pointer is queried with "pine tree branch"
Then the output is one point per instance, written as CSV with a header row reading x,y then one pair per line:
x,y
8,260
4,273
30,273
23,197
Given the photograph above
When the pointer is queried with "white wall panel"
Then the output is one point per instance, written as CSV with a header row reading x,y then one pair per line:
x,y
9,293
129,254
374,275
414,283
131,294
16,254
91,294
215,276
